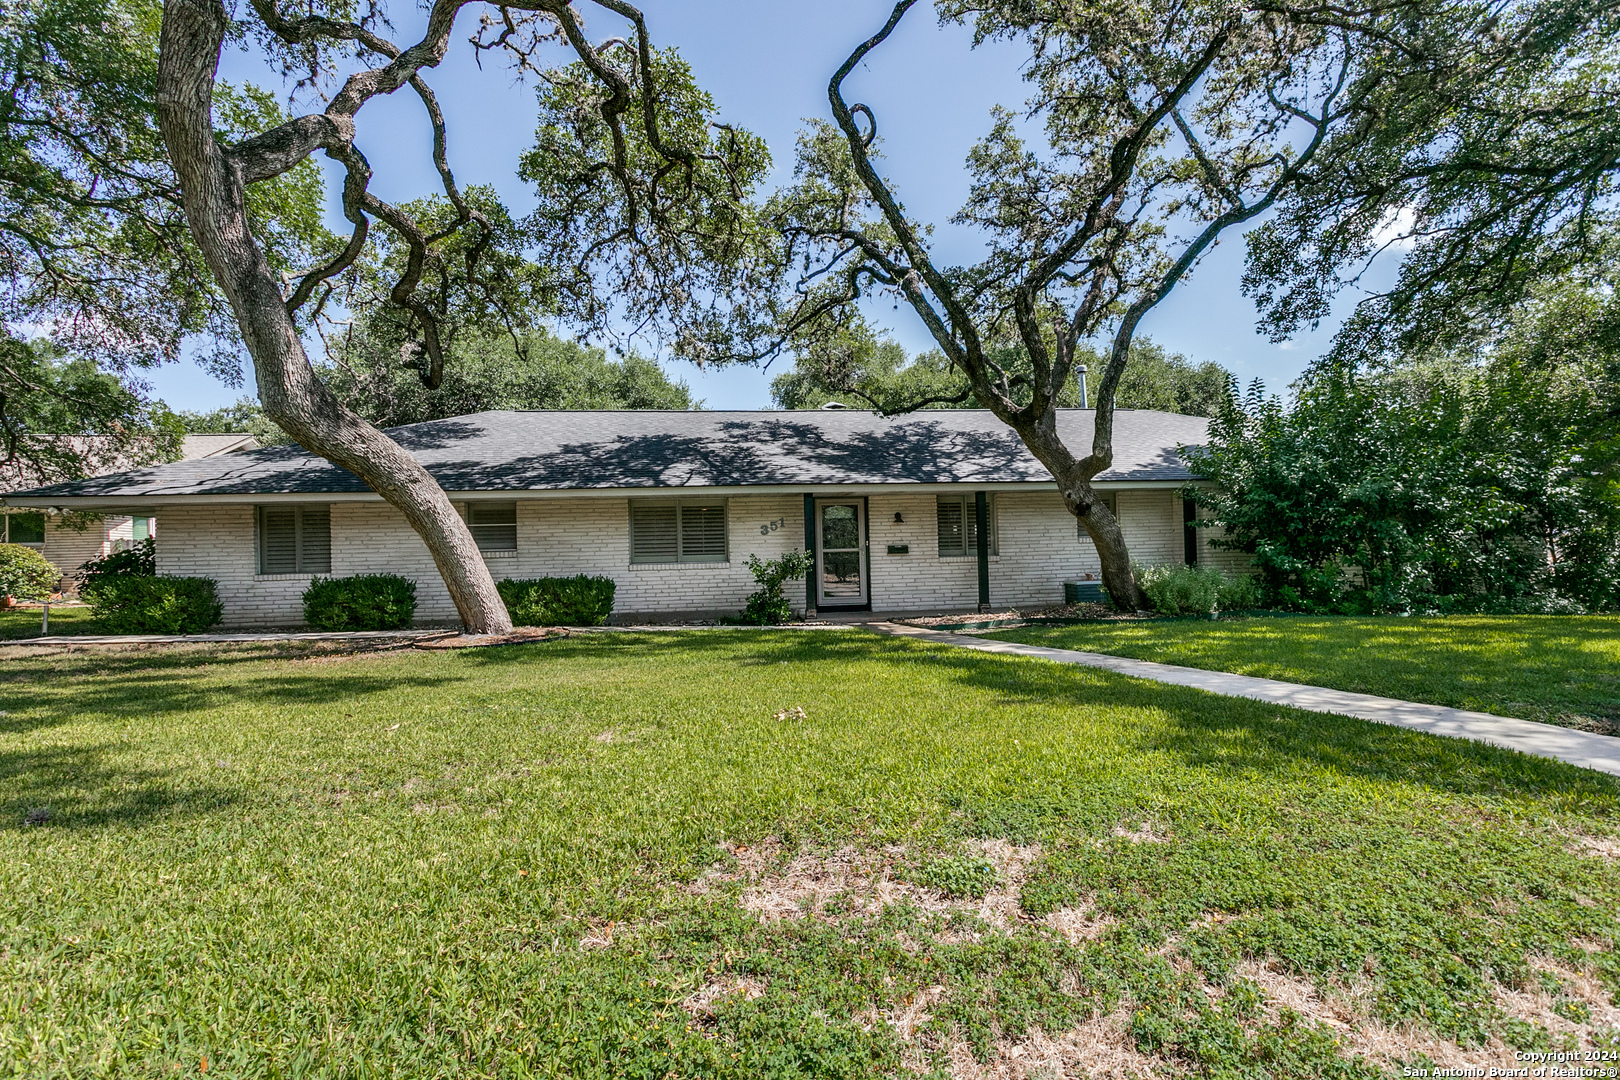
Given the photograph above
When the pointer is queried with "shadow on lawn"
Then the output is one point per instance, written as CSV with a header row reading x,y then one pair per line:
x,y
1206,731
66,787
151,681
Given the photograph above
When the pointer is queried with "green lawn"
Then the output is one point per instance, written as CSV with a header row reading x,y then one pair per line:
x,y
1557,668
605,856
24,622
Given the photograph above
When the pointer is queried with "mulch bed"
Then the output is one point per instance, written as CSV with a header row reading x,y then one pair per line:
x,y
522,635
1015,617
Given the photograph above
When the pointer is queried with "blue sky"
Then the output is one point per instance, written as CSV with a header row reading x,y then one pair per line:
x,y
766,62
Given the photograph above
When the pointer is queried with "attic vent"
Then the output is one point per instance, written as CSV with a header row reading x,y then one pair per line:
x,y
835,405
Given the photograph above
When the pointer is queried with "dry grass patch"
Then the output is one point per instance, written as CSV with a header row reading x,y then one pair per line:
x,y
1077,924
850,884
702,1003
1596,847
1347,1010
1145,833
1100,1048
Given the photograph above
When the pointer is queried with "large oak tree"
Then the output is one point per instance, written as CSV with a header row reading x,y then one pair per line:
x,y
100,276
1154,130
630,139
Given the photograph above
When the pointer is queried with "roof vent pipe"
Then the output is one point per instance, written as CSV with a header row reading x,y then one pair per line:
x,y
1080,377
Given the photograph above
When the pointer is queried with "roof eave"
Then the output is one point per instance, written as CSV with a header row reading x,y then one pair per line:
x,y
127,502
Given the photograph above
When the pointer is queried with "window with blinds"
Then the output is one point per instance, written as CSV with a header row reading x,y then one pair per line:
x,y
678,531
493,525
295,540
1110,500
959,525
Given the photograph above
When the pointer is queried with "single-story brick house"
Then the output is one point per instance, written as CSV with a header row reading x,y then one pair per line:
x,y
671,504
69,548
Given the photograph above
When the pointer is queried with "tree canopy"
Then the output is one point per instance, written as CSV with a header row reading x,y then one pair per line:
x,y
1488,159
540,371
884,378
1482,479
65,418
93,245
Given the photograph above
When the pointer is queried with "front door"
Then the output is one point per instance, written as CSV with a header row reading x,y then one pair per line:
x,y
841,554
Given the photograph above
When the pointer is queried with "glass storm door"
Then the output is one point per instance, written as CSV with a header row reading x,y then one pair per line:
x,y
841,556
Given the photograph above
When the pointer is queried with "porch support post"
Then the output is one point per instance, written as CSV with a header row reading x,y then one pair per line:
x,y
1189,531
810,546
981,514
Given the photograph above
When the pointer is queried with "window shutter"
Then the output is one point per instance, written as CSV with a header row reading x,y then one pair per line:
x,y
652,533
952,534
703,533
315,540
493,525
278,540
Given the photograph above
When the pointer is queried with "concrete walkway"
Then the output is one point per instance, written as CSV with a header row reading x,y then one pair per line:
x,y
1583,748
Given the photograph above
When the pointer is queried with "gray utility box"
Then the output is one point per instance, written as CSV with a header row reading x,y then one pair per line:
x,y
1084,592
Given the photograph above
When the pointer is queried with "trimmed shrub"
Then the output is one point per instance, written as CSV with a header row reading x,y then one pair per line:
x,y
1240,592
1180,590
558,601
1196,590
361,602
26,574
136,604
138,560
768,606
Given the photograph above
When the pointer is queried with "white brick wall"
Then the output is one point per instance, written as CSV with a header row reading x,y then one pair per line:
x,y
217,542
1039,550
556,537
561,537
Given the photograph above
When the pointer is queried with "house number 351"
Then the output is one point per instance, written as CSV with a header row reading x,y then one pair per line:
x,y
771,526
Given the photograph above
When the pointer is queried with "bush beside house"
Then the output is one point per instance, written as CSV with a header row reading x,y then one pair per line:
x,y
25,574
146,604
1195,590
361,602
581,600
138,560
768,606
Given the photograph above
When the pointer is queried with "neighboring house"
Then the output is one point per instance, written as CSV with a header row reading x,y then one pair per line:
x,y
671,504
68,548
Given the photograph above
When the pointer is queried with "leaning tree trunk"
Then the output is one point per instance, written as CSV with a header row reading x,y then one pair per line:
x,y
1103,528
213,194
1074,482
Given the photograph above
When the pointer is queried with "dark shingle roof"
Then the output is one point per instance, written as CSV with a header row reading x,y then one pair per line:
x,y
534,451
